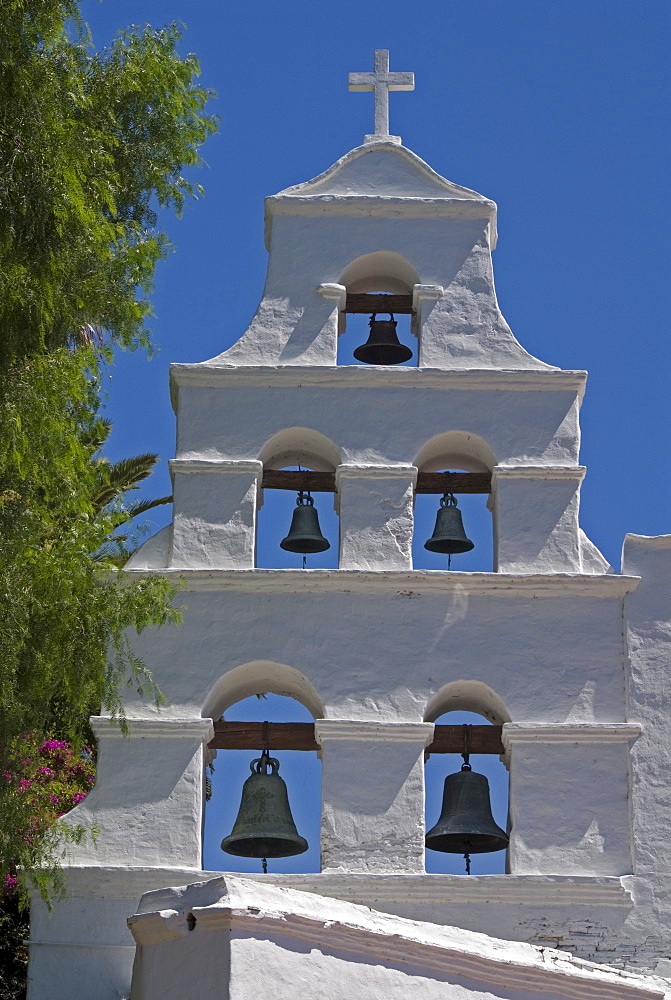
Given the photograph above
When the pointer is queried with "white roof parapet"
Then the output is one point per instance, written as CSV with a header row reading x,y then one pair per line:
x,y
258,910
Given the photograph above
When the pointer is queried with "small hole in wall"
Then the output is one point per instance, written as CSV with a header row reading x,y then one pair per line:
x,y
191,921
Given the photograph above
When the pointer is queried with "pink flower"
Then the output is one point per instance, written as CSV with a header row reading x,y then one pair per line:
x,y
11,883
78,796
24,784
45,770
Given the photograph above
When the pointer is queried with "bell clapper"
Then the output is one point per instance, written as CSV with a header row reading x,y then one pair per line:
x,y
466,765
305,497
305,558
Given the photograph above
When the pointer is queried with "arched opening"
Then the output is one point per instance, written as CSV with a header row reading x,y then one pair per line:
x,y
455,451
263,692
456,704
381,273
296,449
260,677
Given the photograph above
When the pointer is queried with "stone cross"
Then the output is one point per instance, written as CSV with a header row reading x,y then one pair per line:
x,y
381,81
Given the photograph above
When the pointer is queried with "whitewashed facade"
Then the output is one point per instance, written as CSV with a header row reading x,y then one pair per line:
x,y
569,655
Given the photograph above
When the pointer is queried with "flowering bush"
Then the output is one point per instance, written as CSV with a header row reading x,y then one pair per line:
x,y
43,780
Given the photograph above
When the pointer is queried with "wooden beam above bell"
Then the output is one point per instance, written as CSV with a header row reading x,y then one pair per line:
x,y
301,736
427,482
378,303
309,482
454,482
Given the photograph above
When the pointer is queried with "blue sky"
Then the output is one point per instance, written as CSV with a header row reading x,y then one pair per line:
x,y
556,110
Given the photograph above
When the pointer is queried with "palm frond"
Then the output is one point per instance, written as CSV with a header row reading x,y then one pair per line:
x,y
142,506
122,476
113,554
130,471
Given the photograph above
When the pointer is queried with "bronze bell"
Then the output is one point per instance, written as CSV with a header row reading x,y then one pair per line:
x,y
383,346
265,827
448,535
305,534
466,825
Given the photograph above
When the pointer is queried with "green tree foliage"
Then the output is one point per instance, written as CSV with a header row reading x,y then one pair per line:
x,y
91,146
65,611
62,603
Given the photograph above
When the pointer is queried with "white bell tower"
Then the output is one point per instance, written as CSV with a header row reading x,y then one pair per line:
x,y
566,655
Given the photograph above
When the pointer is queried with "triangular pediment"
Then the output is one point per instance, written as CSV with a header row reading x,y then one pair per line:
x,y
381,170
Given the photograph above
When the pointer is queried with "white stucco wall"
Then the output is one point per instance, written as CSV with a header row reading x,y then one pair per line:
x,y
571,656
380,198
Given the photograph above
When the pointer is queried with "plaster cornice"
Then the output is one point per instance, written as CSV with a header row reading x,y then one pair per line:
x,y
197,465
536,472
369,889
372,732
350,471
202,729
413,206
403,584
513,890
570,732
359,376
